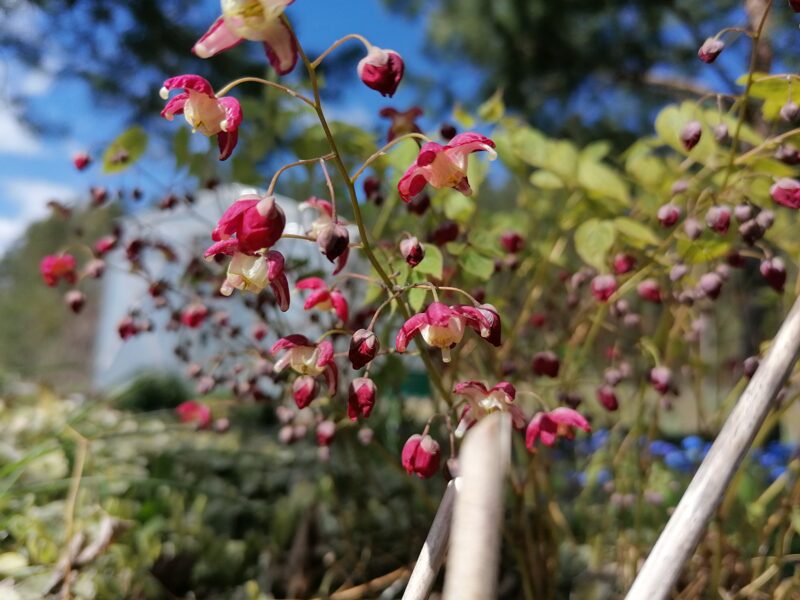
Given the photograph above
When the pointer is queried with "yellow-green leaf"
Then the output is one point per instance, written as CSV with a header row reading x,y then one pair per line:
x,y
125,150
593,239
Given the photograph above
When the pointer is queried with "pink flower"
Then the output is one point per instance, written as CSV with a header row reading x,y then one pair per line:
x,y
326,431
253,273
546,363
56,267
718,218
363,348
512,242
690,134
607,397
194,412
402,122
603,287
774,272
421,455
668,214
254,20
257,222
413,252
443,326
127,328
381,70
361,398
483,401
304,390
786,191
204,111
549,426
444,166
193,315
649,290
307,358
105,245
710,50
624,263
661,379
81,160
324,298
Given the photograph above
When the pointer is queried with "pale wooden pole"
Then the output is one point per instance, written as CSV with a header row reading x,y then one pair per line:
x,y
705,492
433,551
474,552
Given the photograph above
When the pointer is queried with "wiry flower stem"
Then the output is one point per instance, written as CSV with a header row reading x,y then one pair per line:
x,y
268,83
305,161
339,42
354,177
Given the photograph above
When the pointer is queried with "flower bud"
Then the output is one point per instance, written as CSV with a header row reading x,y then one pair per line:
x,y
447,231
612,376
710,50
545,363
333,240
75,299
412,251
743,212
363,348
99,195
448,131
127,327
512,242
678,271
193,315
718,218
81,160
259,331
789,111
361,398
668,214
603,287
661,379
774,272
304,390
607,397
721,133
419,204
372,190
649,290
765,218
421,455
786,191
623,263
692,228
750,365
326,430
751,231
690,134
788,154
381,70
711,285
679,187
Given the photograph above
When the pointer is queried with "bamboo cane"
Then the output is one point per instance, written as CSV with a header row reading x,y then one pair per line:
x,y
705,492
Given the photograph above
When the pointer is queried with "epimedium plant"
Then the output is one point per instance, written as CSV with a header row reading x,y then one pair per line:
x,y
579,274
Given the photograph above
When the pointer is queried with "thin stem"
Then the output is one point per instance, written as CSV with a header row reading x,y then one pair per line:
x,y
69,507
382,151
766,144
339,42
330,189
295,236
305,161
268,83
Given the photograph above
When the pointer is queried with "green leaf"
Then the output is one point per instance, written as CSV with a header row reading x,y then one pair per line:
x,y
702,251
433,263
458,207
546,180
125,150
493,109
562,159
670,122
774,93
530,145
593,239
596,150
462,117
477,264
602,181
637,232
416,298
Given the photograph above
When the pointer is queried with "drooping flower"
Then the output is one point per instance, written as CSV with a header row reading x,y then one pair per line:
x,y
649,290
421,455
546,363
257,222
690,134
483,401
81,160
603,287
607,397
361,398
363,348
203,110
324,298
549,426
192,411
444,166
413,252
56,267
774,272
194,314
661,379
304,390
401,122
624,263
668,214
75,299
381,70
512,242
307,358
332,238
253,273
786,191
443,326
105,245
710,50
254,20
718,218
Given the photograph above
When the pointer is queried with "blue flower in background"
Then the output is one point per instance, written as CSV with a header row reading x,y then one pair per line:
x,y
776,472
679,461
662,448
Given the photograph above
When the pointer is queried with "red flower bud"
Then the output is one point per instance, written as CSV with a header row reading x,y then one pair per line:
x,y
512,242
649,290
545,363
421,455
193,315
127,327
75,299
607,397
786,191
381,70
710,50
304,390
743,212
795,5
99,195
692,228
447,231
661,379
361,398
668,214
81,160
259,331
333,241
326,430
774,272
372,190
690,134
412,251
363,348
718,218
419,204
603,287
750,366
711,285
623,263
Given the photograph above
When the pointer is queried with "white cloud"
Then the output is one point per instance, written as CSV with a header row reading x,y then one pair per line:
x,y
17,138
24,201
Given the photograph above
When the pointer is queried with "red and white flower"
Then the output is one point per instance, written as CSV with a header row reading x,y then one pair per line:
x,y
363,348
483,400
193,315
549,426
56,267
254,20
253,273
444,166
192,411
443,326
361,398
257,222
381,70
786,191
203,110
421,455
307,358
324,298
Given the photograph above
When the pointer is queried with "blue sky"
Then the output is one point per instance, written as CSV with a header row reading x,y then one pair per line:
x,y
36,166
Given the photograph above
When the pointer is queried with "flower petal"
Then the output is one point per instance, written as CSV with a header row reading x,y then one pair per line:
x,y
289,342
189,82
228,247
318,297
340,305
280,287
280,46
411,183
218,38
409,330
233,113
227,142
174,106
311,283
